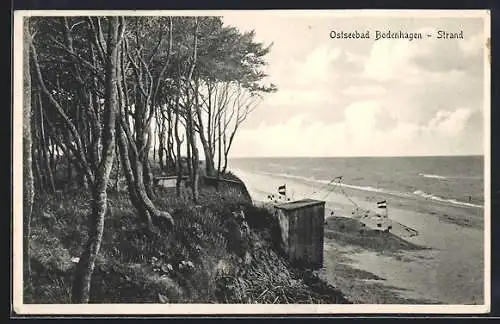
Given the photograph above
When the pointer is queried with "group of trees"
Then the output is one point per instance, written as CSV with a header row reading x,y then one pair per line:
x,y
104,91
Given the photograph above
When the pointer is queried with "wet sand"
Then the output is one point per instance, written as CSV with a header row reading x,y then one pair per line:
x,y
449,270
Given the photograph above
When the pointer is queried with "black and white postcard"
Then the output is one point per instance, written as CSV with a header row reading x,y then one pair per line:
x,y
251,162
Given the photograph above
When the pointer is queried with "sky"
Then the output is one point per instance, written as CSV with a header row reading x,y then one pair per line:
x,y
345,97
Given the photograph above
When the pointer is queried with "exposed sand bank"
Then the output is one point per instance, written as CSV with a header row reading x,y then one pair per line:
x,y
449,270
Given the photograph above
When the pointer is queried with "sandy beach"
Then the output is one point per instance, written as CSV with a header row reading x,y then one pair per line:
x,y
447,267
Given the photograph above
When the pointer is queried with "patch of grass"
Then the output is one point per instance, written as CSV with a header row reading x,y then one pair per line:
x,y
350,231
181,265
267,279
47,286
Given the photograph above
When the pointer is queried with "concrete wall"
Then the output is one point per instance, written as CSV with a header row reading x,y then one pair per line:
x,y
302,232
284,227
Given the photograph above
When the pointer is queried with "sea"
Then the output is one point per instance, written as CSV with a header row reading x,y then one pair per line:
x,y
457,180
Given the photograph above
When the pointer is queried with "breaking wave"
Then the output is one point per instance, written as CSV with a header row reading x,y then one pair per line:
x,y
417,193
433,176
437,198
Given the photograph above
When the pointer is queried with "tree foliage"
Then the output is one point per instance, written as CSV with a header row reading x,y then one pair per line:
x,y
106,91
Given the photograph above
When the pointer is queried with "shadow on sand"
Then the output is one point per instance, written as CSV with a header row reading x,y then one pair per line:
x,y
344,236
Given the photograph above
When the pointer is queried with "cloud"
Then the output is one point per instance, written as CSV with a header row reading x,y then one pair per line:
x,y
358,135
362,114
473,45
364,90
311,98
450,123
355,58
368,98
414,61
317,64
390,59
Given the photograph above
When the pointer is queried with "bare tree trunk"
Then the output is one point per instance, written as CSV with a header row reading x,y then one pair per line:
x,y
196,175
132,164
209,157
219,149
189,158
171,156
29,191
136,187
190,132
117,155
154,133
78,149
178,142
70,167
70,170
35,148
38,184
85,268
161,153
161,140
44,147
228,147
196,156
130,176
148,173
194,166
53,155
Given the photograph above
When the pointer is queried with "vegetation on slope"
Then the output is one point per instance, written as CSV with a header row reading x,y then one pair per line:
x,y
205,258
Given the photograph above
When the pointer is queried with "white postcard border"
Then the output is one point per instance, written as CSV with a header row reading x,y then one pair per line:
x,y
207,309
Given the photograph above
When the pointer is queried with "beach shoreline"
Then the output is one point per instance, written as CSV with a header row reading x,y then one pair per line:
x,y
341,200
446,271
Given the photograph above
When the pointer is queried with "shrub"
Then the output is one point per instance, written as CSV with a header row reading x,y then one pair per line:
x,y
182,264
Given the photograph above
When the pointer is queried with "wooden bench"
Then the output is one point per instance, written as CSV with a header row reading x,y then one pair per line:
x,y
157,179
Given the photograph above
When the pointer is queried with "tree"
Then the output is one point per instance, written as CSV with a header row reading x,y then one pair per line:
x,y
229,77
28,193
98,85
85,267
95,149
138,88
244,101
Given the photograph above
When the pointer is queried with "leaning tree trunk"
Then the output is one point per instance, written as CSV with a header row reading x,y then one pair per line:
x,y
148,172
117,175
85,268
133,167
131,179
70,167
178,164
219,149
161,145
194,158
29,190
209,156
189,159
137,191
170,151
49,177
35,152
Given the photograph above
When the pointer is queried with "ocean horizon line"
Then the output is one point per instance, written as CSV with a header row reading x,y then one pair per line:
x,y
355,156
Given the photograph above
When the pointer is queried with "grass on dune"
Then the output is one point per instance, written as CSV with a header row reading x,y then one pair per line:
x,y
203,259
349,231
